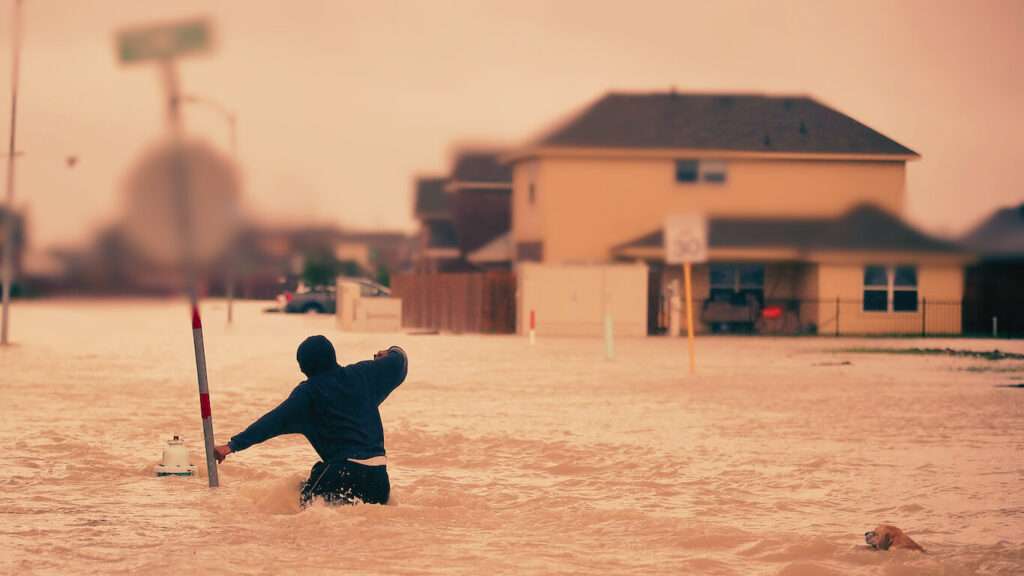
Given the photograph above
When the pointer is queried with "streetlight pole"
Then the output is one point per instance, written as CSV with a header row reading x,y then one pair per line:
x,y
8,254
232,119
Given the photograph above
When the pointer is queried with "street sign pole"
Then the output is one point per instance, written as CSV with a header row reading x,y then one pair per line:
x,y
689,317
686,242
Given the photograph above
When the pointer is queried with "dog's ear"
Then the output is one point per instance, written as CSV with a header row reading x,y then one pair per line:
x,y
885,541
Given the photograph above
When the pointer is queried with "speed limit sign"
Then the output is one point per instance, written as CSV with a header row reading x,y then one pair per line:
x,y
686,239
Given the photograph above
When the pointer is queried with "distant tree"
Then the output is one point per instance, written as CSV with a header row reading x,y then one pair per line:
x,y
320,269
323,268
350,268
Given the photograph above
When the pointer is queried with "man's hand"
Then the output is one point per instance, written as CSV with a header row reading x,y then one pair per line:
x,y
221,452
380,354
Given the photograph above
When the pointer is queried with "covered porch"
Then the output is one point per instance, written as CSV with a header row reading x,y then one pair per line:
x,y
864,272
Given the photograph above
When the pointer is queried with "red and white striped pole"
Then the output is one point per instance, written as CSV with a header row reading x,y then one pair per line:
x,y
204,394
533,327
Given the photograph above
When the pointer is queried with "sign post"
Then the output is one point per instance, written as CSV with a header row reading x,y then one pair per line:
x,y
162,190
686,242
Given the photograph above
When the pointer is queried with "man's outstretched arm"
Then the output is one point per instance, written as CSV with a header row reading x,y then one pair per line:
x,y
388,369
288,418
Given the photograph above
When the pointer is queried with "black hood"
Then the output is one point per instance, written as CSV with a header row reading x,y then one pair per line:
x,y
316,355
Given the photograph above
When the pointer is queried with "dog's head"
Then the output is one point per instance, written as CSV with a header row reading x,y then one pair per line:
x,y
878,540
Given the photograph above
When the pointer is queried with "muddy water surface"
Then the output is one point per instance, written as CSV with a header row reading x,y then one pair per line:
x,y
774,459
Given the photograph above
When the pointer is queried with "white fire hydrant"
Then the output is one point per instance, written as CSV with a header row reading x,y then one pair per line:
x,y
175,460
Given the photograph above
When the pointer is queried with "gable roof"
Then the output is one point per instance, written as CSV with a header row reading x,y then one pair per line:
x,y
431,200
735,122
864,228
498,250
481,166
1002,234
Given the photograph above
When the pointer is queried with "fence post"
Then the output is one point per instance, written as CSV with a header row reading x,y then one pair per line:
x,y
924,317
837,316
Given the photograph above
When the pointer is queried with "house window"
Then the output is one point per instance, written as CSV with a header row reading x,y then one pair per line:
x,y
712,171
876,289
904,289
530,252
896,284
691,171
686,170
733,282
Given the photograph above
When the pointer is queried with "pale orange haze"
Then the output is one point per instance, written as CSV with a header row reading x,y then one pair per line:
x,y
341,103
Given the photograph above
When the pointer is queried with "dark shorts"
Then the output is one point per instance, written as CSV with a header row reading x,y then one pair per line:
x,y
346,482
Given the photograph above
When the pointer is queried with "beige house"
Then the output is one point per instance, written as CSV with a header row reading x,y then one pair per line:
x,y
803,204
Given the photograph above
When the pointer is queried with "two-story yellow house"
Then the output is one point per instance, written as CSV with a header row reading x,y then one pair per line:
x,y
803,205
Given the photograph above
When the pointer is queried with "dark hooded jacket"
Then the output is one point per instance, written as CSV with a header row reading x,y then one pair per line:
x,y
336,408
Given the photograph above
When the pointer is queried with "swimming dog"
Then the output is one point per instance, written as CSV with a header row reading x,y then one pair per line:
x,y
884,537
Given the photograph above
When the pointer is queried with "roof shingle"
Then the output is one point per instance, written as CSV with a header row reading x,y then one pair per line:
x,y
481,166
1002,234
735,122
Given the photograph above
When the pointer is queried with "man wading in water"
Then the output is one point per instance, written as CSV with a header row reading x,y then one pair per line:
x,y
336,409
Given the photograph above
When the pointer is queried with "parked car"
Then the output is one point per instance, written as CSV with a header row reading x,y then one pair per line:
x,y
323,300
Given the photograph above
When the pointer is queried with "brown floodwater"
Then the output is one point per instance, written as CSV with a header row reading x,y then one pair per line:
x,y
509,459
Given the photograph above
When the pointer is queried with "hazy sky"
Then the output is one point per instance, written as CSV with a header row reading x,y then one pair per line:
x,y
341,103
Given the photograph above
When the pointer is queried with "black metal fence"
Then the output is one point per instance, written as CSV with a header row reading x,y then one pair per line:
x,y
834,317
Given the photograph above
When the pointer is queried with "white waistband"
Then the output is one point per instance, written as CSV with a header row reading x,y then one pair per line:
x,y
375,461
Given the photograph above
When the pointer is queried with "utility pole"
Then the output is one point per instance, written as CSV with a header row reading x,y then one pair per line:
x,y
8,254
232,119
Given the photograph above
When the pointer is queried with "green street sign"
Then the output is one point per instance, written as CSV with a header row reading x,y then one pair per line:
x,y
163,41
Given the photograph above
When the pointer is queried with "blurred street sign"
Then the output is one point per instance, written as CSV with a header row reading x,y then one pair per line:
x,y
182,203
686,239
163,41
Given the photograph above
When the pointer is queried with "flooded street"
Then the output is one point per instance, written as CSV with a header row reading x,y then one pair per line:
x,y
506,458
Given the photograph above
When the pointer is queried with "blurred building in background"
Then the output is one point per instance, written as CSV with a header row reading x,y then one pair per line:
x,y
437,248
264,261
465,217
994,296
480,192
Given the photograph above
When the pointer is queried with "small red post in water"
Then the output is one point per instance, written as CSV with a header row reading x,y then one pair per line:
x,y
533,327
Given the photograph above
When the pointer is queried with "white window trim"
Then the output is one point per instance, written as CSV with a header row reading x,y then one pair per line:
x,y
890,290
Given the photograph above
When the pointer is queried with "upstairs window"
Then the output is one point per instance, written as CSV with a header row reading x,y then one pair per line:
x,y
691,171
712,171
896,284
686,170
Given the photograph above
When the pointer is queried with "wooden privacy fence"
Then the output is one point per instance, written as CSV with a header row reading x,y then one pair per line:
x,y
462,302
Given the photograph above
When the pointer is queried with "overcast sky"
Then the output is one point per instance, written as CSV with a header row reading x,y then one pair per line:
x,y
340,104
